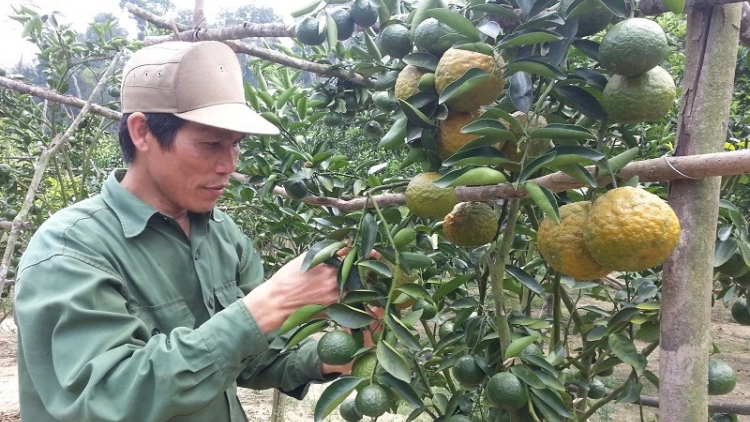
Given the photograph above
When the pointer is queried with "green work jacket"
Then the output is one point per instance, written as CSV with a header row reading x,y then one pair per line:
x,y
122,317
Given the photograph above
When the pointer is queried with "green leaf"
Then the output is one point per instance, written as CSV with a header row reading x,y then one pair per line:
x,y
622,316
402,333
424,61
524,278
539,361
393,361
478,156
574,154
300,316
544,199
334,395
535,165
450,286
372,48
496,9
624,349
402,388
724,250
517,345
416,291
304,331
395,136
417,261
458,22
362,296
620,160
306,9
632,393
489,127
468,81
583,101
377,266
535,67
553,401
648,332
525,374
368,229
320,252
549,380
651,377
471,176
521,91
529,36
349,317
562,131
579,173
416,117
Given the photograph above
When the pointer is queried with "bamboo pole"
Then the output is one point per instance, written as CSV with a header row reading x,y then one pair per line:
x,y
712,40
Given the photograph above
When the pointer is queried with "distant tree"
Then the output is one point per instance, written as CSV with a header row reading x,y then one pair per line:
x,y
109,26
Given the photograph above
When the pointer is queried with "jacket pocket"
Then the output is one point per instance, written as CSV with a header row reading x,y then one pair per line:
x,y
165,317
226,294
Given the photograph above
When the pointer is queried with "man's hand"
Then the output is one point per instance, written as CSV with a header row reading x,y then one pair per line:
x,y
272,302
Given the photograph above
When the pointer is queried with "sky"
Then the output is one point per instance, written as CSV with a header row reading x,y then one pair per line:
x,y
81,12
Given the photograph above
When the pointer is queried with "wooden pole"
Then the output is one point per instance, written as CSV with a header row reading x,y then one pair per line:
x,y
711,53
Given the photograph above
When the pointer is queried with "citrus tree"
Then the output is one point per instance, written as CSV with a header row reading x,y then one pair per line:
x,y
485,151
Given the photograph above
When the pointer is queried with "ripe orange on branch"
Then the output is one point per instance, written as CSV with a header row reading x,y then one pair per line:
x,y
563,247
455,63
630,229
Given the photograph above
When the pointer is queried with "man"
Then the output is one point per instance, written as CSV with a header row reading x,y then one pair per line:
x,y
145,303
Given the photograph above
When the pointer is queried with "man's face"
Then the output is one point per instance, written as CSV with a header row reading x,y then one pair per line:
x,y
192,174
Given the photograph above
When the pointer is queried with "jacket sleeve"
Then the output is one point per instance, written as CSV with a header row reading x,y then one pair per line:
x,y
88,358
290,371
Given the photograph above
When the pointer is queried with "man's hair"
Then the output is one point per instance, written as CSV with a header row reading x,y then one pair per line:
x,y
163,126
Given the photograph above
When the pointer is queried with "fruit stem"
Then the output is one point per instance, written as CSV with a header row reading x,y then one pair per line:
x,y
556,311
497,274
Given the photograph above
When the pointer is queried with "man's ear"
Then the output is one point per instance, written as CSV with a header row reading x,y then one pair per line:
x,y
139,132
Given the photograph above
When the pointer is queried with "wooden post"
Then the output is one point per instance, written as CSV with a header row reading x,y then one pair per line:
x,y
711,53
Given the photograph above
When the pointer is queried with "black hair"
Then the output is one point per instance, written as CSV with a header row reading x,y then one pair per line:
x,y
163,126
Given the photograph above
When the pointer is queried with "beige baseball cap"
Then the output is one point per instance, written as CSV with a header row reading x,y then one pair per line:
x,y
199,82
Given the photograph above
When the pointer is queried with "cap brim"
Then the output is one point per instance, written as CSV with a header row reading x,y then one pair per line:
x,y
236,117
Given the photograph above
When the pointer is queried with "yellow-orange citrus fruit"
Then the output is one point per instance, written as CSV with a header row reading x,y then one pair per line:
x,y
629,229
407,82
426,200
563,247
470,224
455,62
449,138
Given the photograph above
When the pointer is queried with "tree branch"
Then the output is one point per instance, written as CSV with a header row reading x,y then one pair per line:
x,y
654,170
226,34
715,407
56,97
246,30
7,225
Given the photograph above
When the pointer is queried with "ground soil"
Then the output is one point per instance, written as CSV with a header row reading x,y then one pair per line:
x,y
732,339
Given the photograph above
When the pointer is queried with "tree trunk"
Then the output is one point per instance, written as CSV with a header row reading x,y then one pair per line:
x,y
712,41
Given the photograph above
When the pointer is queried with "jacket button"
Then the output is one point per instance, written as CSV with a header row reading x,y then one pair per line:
x,y
196,255
211,302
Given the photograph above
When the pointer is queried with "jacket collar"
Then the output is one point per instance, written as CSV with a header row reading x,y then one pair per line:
x,y
133,213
